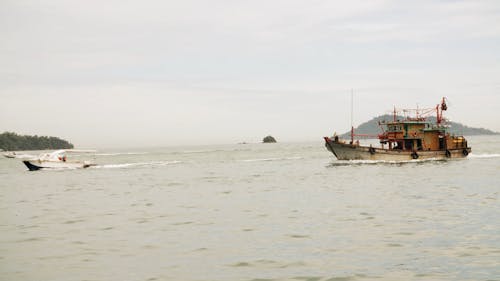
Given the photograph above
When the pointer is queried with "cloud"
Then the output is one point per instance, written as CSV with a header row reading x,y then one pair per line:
x,y
223,68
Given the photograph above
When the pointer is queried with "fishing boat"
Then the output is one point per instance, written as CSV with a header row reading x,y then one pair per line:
x,y
55,160
411,137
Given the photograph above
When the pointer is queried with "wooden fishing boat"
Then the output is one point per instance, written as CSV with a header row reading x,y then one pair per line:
x,y
408,138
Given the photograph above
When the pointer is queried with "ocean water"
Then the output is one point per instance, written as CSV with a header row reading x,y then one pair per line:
x,y
252,212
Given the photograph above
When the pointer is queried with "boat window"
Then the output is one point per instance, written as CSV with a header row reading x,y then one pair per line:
x,y
441,143
394,128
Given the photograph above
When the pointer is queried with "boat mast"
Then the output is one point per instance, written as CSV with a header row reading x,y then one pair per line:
x,y
352,109
438,118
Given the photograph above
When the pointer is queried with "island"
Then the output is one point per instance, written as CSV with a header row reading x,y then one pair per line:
x,y
371,127
269,139
10,141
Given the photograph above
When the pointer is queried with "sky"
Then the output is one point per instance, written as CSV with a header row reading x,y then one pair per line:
x,y
160,73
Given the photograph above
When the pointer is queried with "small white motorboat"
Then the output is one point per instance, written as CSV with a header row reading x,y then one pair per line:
x,y
11,154
56,160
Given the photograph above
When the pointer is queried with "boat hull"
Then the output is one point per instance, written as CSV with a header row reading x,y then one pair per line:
x,y
34,165
345,151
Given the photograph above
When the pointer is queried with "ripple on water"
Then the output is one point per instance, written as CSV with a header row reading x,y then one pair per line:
x,y
343,278
32,239
405,233
308,278
263,263
298,236
257,263
182,223
241,264
318,278
293,264
200,250
73,221
27,226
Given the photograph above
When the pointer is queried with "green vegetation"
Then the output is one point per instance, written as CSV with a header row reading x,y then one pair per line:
x,y
11,141
372,128
268,139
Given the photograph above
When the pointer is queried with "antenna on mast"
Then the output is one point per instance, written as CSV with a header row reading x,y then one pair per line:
x,y
352,106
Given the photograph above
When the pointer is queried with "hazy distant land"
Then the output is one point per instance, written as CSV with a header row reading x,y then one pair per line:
x,y
372,128
11,142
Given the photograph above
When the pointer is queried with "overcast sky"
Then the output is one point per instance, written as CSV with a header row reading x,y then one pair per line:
x,y
152,73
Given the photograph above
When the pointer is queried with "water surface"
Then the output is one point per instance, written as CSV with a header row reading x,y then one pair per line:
x,y
252,212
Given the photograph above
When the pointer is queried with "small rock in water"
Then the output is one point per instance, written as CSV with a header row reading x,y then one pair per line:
x,y
269,139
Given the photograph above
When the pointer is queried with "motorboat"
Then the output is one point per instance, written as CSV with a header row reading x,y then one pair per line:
x,y
13,154
56,160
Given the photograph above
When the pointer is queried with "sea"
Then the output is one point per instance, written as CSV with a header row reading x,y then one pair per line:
x,y
252,212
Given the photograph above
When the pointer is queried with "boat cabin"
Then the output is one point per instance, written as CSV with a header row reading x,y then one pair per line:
x,y
414,134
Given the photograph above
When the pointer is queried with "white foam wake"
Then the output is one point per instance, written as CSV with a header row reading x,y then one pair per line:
x,y
485,155
271,159
368,162
121,153
137,164
25,156
200,151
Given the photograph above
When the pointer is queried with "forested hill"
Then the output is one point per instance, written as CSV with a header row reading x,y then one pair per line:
x,y
372,128
11,141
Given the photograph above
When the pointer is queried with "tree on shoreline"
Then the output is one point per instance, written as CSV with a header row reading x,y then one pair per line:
x,y
10,141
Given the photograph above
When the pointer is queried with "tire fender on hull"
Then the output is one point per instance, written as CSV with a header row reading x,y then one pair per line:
x,y
372,150
447,153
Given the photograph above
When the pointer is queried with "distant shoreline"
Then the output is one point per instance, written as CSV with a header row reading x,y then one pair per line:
x,y
10,141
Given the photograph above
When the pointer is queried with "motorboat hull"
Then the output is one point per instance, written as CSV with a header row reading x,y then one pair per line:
x,y
34,165
346,151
